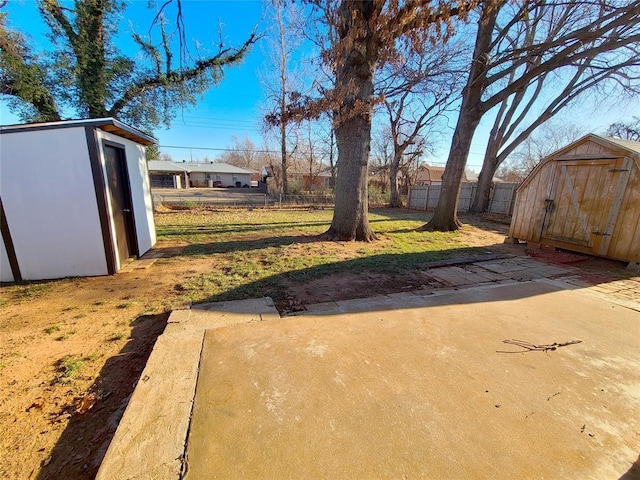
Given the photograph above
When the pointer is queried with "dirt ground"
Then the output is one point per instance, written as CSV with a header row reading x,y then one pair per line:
x,y
72,350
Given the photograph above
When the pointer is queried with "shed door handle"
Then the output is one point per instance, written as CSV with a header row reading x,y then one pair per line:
x,y
549,204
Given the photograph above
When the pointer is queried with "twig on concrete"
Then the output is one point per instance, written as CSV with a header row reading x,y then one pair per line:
x,y
532,347
549,398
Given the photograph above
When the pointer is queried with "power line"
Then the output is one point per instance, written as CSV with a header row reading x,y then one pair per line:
x,y
246,150
216,119
221,127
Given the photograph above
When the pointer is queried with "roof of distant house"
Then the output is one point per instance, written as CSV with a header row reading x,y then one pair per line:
x,y
191,167
434,174
473,177
164,166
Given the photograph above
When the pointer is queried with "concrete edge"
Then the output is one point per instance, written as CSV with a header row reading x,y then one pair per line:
x,y
413,299
635,306
151,437
420,298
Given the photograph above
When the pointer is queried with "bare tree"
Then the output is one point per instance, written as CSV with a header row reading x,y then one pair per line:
x,y
309,159
516,118
417,88
550,137
242,154
593,29
281,84
381,157
326,140
626,131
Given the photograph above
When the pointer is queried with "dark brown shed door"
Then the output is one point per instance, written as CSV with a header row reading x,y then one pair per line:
x,y
120,194
581,212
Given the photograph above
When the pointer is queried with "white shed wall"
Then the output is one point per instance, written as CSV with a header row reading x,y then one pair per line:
x,y
50,203
140,190
5,268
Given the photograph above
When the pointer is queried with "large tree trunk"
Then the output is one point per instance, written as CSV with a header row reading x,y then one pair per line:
x,y
483,191
350,217
354,81
445,218
485,178
394,198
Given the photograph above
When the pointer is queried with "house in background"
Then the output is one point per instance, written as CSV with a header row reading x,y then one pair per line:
x,y
191,174
75,198
429,175
473,178
217,175
167,174
300,179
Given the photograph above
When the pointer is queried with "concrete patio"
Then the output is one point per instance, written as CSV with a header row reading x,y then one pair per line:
x,y
404,386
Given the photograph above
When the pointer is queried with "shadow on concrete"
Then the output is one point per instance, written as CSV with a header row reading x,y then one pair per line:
x,y
84,442
634,472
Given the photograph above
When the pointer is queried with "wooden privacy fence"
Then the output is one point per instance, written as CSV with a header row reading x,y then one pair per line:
x,y
501,201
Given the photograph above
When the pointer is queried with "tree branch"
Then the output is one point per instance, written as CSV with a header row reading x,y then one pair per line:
x,y
53,10
174,77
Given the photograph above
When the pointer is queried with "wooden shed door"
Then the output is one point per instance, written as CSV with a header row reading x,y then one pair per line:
x,y
583,206
122,205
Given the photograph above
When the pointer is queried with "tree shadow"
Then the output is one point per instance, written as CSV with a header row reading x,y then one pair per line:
x,y
246,245
84,442
234,228
230,229
634,472
401,271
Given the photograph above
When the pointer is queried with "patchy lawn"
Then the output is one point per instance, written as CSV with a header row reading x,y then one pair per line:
x,y
71,350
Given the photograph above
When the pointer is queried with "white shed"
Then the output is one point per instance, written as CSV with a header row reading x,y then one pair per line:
x,y
75,198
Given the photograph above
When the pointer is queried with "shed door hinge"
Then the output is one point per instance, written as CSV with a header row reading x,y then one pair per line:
x,y
616,170
602,234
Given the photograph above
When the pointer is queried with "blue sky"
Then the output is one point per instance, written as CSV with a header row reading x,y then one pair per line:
x,y
235,106
232,108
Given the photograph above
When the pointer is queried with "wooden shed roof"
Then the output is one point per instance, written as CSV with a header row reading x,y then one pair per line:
x,y
110,125
630,145
617,147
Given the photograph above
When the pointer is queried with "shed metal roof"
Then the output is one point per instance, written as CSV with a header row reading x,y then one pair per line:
x,y
110,125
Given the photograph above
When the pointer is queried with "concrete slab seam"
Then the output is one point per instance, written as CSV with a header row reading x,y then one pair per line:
x,y
184,461
635,306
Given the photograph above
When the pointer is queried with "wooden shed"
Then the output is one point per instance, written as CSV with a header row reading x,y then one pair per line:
x,y
75,198
584,197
